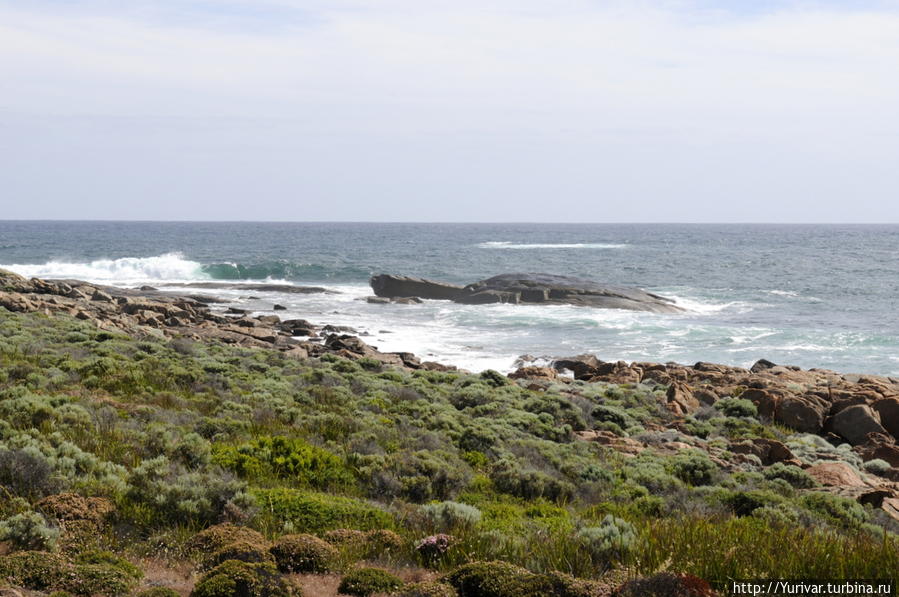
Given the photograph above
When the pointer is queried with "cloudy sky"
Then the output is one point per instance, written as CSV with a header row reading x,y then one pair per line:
x,y
462,110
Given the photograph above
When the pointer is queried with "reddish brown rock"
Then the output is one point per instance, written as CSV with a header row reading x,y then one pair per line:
x,y
769,451
680,399
801,413
533,373
835,474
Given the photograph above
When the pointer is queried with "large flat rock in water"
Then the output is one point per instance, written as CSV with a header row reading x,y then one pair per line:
x,y
527,288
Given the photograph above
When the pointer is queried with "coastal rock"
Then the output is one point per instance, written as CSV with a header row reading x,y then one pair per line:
x,y
553,289
530,288
534,373
391,286
768,451
800,413
680,399
855,423
835,474
888,410
583,366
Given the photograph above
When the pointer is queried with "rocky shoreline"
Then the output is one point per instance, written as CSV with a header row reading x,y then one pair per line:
x,y
861,411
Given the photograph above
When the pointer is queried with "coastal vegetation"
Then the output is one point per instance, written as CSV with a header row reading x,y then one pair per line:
x,y
248,468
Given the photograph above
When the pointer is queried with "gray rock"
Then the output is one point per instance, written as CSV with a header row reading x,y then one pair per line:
x,y
390,286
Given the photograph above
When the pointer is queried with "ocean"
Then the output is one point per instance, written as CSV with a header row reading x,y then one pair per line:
x,y
806,295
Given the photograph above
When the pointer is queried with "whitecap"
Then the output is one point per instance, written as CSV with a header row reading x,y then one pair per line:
x,y
512,245
125,270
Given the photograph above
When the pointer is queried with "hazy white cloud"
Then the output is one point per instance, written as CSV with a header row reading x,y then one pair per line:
x,y
450,110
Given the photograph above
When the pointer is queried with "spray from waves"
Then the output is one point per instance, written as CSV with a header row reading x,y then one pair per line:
x,y
170,266
511,245
284,270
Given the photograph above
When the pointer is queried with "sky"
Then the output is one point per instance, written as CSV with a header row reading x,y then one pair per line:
x,y
464,110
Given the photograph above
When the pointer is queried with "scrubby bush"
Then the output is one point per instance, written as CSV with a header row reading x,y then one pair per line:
x,y
29,531
612,541
35,570
509,477
244,579
107,558
244,551
345,537
694,467
288,458
218,536
426,589
451,515
736,407
99,579
303,553
26,472
363,582
319,512
790,473
837,510
382,542
877,466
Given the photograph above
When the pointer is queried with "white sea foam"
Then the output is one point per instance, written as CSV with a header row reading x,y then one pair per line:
x,y
789,293
513,245
125,270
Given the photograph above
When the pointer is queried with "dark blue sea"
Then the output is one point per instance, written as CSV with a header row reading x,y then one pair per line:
x,y
807,295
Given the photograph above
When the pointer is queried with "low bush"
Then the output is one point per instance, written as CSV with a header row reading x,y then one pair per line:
x,y
382,542
790,473
451,515
612,541
426,589
362,582
243,551
319,512
694,467
218,536
244,579
36,570
736,407
303,553
29,531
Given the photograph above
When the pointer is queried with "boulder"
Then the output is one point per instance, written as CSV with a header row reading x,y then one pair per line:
x,y
769,451
888,410
855,423
680,400
534,373
583,366
801,413
835,474
391,286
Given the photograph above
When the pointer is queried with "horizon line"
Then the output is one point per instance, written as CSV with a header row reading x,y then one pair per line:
x,y
451,222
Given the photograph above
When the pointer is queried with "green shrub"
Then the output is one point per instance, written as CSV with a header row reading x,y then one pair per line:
x,y
363,582
244,551
99,579
319,512
451,515
382,542
345,537
490,579
29,531
35,570
303,553
877,466
107,558
612,541
837,510
790,473
285,458
745,503
244,579
694,467
737,407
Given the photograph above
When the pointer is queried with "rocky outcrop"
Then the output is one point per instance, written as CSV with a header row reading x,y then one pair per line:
x,y
516,289
389,286
149,311
855,423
